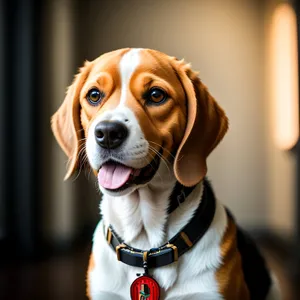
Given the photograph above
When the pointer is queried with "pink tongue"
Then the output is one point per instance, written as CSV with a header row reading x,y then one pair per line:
x,y
113,176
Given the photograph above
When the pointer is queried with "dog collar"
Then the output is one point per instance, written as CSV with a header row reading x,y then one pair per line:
x,y
178,196
168,253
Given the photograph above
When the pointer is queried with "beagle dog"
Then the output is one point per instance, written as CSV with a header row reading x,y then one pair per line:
x,y
147,124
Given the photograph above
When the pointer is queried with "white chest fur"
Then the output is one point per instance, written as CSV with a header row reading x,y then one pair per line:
x,y
144,224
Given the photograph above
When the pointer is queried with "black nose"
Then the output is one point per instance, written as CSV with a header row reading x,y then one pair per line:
x,y
110,134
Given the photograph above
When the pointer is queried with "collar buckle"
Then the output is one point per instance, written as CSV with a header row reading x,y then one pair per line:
x,y
118,250
175,251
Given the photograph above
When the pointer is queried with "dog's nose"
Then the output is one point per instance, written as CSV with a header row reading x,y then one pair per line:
x,y
110,134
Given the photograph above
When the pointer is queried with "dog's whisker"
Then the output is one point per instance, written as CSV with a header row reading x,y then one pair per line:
x,y
87,170
159,154
149,162
162,158
81,157
90,172
81,152
79,130
83,139
79,172
84,159
162,148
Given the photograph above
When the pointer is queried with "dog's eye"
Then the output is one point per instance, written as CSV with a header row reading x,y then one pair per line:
x,y
156,96
94,96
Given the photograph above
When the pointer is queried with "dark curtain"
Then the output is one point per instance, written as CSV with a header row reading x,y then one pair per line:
x,y
20,69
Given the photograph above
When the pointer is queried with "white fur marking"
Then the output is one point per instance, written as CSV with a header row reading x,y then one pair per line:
x,y
135,149
128,64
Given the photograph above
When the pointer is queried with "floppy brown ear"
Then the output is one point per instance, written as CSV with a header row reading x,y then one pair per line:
x,y
206,126
65,123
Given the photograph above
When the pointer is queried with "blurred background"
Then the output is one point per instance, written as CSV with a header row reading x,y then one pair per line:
x,y
247,54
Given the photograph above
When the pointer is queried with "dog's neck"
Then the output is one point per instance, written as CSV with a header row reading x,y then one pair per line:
x,y
141,218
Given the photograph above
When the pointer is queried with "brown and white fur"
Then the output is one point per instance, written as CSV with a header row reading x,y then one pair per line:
x,y
188,126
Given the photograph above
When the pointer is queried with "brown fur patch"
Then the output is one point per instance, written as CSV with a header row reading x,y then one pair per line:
x,y
230,277
90,268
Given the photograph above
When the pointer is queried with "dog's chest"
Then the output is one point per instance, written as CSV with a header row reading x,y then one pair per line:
x,y
193,273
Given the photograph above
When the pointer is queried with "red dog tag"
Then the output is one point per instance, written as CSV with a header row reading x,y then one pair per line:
x,y
144,287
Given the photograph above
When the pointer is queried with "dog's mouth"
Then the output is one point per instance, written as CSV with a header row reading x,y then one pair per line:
x,y
116,177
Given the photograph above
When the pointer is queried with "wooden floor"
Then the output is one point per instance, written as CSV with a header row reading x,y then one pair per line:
x,y
63,278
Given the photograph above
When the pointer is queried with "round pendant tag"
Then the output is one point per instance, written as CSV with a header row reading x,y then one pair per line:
x,y
144,287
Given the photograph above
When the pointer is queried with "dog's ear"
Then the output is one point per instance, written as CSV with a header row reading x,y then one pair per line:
x,y
205,128
66,124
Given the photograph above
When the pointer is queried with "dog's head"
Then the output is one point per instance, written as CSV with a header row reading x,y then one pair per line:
x,y
132,108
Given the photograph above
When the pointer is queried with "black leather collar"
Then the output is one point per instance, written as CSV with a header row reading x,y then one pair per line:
x,y
176,246
178,196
